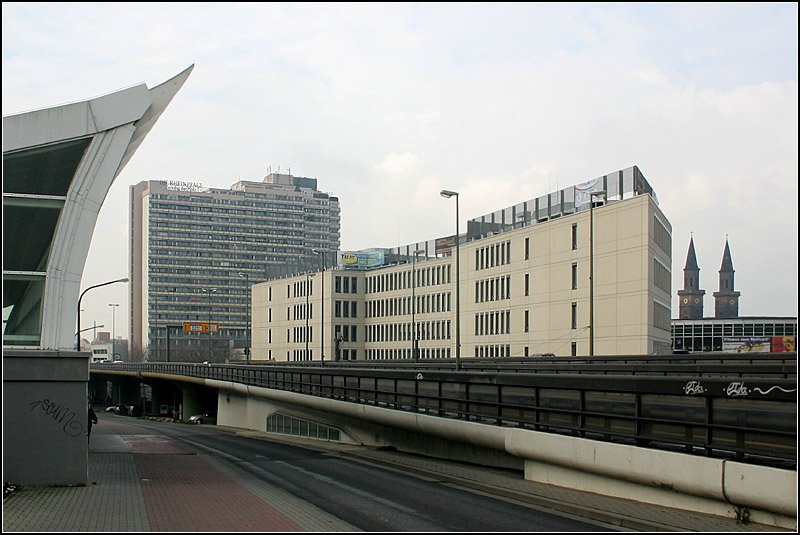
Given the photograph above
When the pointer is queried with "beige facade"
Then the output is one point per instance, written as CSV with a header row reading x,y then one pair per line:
x,y
523,292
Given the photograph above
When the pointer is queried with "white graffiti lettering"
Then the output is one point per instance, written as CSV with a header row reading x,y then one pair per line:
x,y
694,387
737,389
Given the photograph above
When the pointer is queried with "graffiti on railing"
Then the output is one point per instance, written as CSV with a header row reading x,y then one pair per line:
x,y
770,389
736,389
61,415
694,387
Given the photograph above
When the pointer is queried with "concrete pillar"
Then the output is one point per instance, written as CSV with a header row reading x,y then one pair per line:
x,y
45,417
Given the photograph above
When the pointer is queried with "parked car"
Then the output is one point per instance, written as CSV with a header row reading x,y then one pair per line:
x,y
122,410
205,418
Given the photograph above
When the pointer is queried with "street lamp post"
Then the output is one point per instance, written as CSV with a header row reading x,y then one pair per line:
x,y
592,195
78,342
447,194
322,308
247,331
414,342
113,332
209,291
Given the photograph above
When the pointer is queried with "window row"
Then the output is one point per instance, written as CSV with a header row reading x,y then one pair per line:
x,y
402,332
402,306
406,353
345,285
299,312
495,289
345,333
345,309
412,278
497,350
299,334
302,288
496,254
495,322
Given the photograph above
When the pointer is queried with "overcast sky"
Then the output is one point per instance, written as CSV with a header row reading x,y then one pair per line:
x,y
387,104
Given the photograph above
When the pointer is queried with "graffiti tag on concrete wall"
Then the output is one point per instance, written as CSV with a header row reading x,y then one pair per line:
x,y
71,425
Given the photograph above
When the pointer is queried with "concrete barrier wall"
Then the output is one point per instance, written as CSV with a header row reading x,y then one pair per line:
x,y
687,481
45,417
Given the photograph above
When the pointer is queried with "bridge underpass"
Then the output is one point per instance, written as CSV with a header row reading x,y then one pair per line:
x,y
615,436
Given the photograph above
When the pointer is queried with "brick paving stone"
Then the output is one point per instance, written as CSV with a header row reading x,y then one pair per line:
x,y
186,493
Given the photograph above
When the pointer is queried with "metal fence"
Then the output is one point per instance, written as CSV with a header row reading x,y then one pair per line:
x,y
752,420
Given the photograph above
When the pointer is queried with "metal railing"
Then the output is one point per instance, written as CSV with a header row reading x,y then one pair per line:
x,y
777,365
752,420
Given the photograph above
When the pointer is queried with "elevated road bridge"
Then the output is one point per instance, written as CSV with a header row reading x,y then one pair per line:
x,y
705,432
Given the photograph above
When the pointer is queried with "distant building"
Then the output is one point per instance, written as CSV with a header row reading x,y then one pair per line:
x,y
735,335
196,250
524,286
726,331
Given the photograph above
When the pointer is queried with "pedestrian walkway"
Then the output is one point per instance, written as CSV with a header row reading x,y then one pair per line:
x,y
152,483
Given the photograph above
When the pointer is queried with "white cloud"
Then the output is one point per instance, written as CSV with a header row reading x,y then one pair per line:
x,y
388,104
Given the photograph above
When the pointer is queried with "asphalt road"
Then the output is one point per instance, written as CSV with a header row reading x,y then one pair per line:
x,y
367,496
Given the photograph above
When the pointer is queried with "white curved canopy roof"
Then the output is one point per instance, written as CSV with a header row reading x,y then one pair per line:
x,y
58,165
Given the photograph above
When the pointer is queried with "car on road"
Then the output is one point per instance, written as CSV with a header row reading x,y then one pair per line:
x,y
205,418
123,410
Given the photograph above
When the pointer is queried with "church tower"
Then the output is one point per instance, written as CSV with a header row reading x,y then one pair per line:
x,y
726,300
691,297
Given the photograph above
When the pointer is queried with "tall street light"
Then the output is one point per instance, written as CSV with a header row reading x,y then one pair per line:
x,y
247,332
592,195
78,342
113,332
209,291
447,194
414,342
322,308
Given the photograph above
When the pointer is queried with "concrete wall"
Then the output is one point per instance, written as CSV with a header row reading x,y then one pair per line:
x,y
678,480
45,417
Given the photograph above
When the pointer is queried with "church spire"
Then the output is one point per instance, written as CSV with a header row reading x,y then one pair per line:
x,y
727,263
726,300
690,299
691,257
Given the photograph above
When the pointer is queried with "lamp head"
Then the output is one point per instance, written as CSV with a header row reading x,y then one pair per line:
x,y
447,193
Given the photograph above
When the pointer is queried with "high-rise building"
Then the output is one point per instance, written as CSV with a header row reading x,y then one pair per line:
x,y
195,252
524,280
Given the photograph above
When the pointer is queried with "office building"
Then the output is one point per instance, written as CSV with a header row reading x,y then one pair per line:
x,y
524,286
195,252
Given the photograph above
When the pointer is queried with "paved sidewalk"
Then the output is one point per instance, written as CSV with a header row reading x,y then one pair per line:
x,y
152,483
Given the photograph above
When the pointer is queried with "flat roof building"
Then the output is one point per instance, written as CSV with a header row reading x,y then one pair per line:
x,y
195,251
524,286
